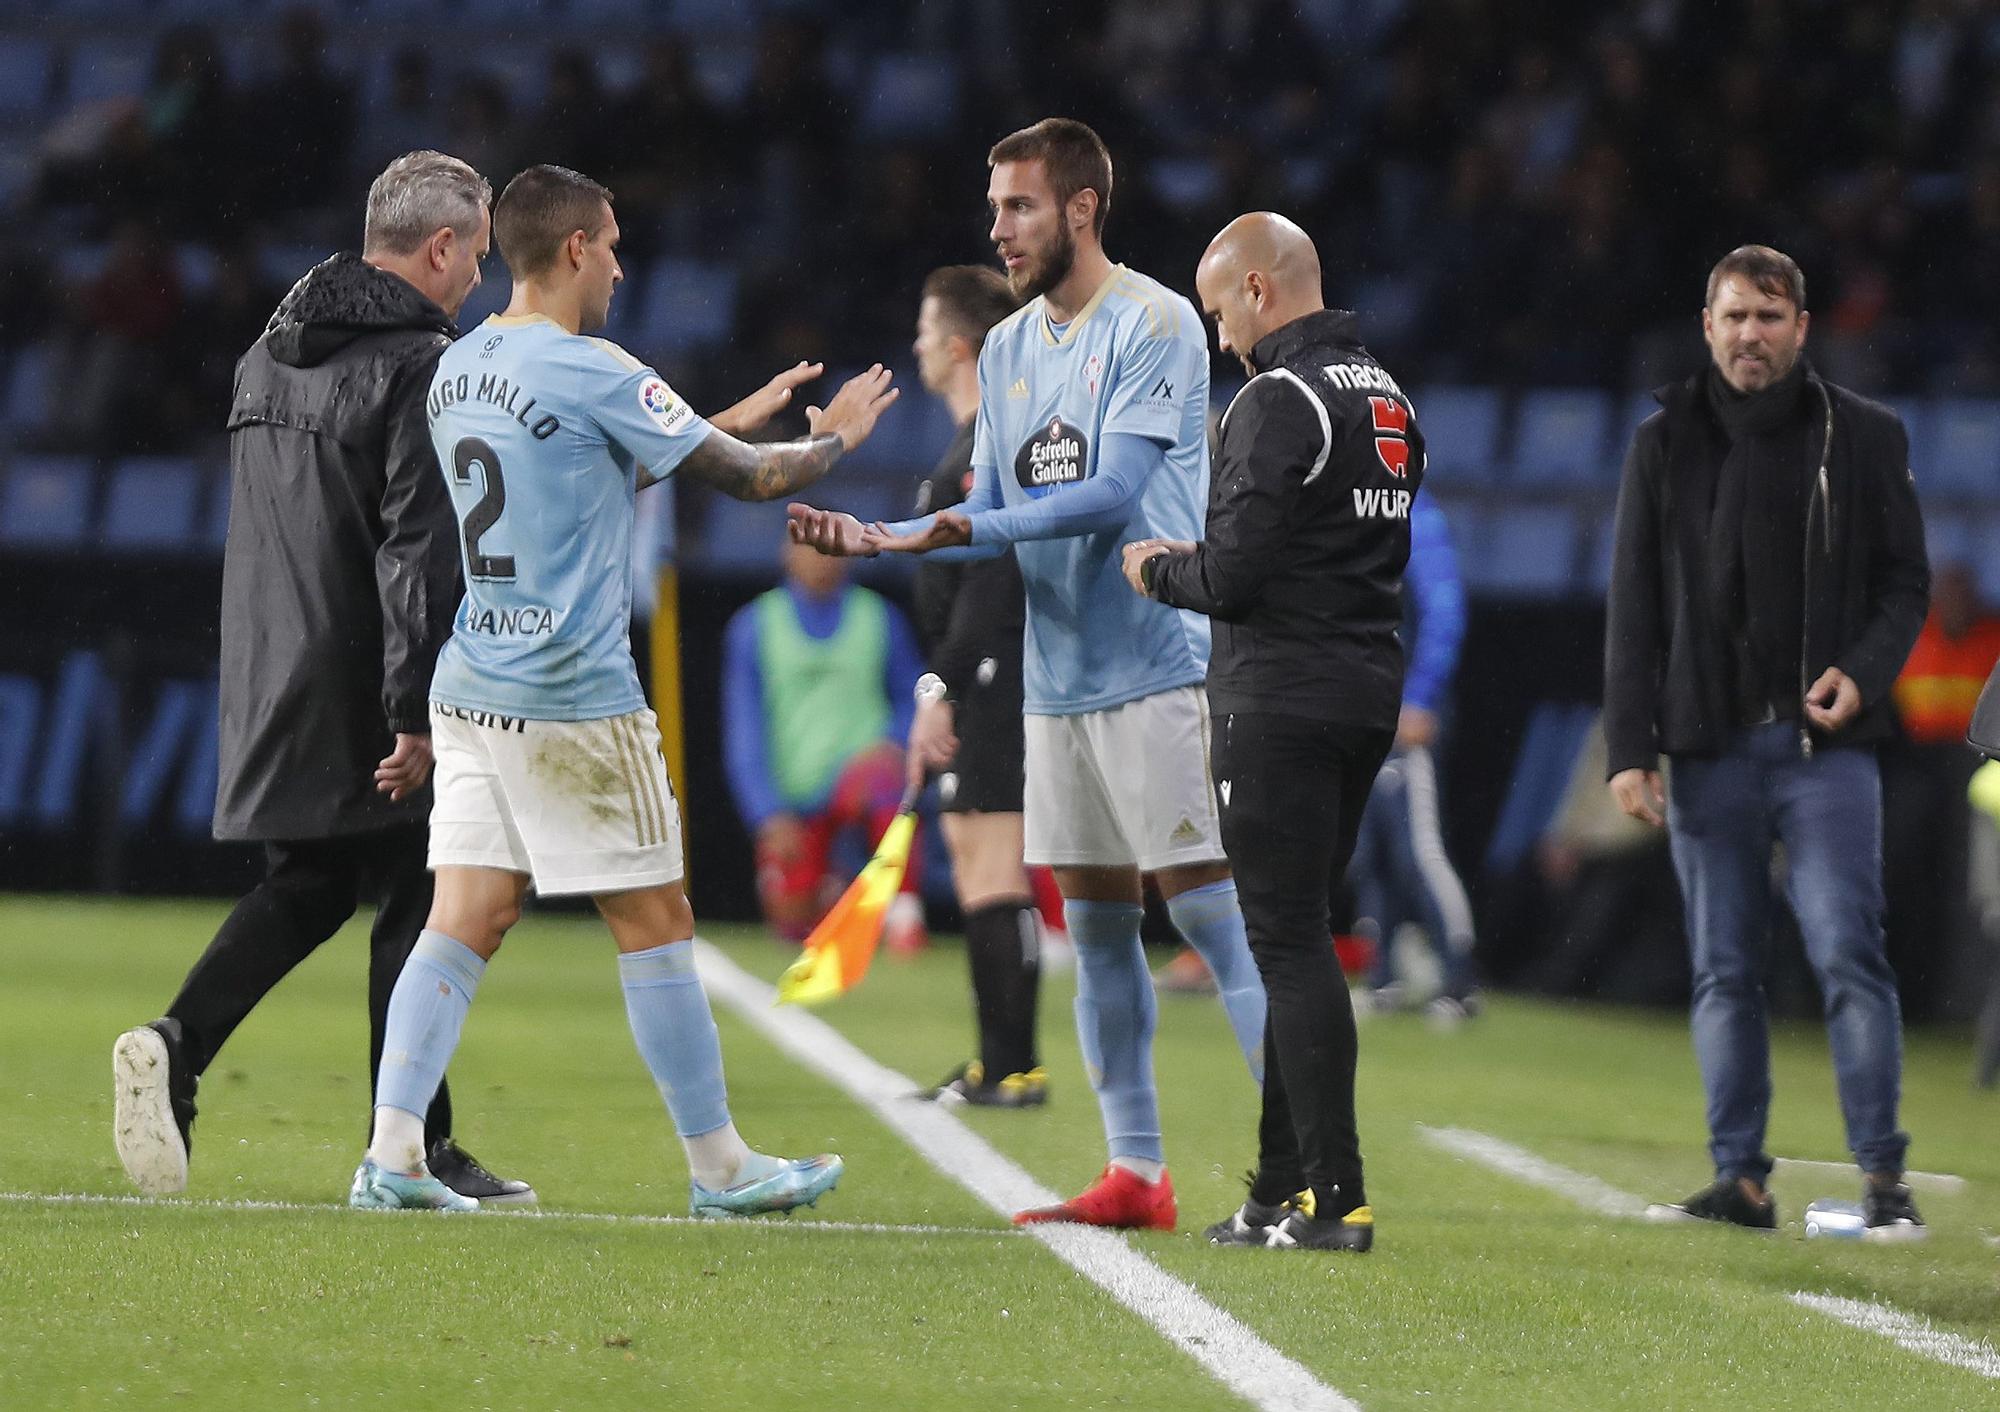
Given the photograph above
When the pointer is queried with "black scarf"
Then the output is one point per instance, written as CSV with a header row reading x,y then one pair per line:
x,y
1756,542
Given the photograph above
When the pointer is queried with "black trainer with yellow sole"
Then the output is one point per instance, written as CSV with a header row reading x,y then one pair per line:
x,y
1301,1230
967,1084
1248,1225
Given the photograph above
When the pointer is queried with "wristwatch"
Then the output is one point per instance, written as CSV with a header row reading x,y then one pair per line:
x,y
1149,570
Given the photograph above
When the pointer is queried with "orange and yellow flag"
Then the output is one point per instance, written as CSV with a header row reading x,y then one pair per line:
x,y
837,954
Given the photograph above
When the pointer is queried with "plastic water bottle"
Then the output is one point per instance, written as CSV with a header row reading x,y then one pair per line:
x,y
1839,1220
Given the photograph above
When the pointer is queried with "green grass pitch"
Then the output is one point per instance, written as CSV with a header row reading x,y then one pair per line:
x,y
1482,1292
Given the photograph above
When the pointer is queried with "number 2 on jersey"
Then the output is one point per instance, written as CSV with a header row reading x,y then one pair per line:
x,y
469,452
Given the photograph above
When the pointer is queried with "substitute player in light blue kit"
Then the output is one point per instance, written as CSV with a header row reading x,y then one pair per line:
x,y
1091,431
548,763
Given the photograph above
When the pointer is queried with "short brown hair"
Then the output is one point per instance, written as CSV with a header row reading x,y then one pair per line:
x,y
540,209
973,298
1772,271
1074,157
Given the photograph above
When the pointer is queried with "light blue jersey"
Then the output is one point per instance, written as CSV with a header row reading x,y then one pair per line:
x,y
544,437
1134,360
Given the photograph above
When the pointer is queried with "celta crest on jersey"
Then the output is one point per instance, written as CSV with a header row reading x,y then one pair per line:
x,y
1057,455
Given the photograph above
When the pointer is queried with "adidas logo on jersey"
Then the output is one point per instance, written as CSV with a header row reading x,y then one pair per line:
x,y
1019,389
1185,832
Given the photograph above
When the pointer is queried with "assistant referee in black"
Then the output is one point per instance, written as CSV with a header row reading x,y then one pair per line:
x,y
1301,570
972,616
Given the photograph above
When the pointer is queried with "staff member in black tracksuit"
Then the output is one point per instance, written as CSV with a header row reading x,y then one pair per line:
x,y
972,616
1308,532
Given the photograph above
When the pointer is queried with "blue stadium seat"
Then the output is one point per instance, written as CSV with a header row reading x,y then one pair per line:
x,y
495,289
1519,551
706,17
1561,437
1917,421
1597,567
45,501
282,265
152,502
26,64
1549,749
1635,409
1950,538
106,69
215,513
687,304
1461,427
1184,183
738,537
1965,450
1985,556
1391,308
30,379
908,93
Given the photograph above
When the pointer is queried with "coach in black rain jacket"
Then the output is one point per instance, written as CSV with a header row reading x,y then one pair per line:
x,y
1300,570
341,572
340,579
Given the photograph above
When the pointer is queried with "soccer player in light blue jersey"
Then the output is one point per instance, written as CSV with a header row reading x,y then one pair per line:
x,y
1093,402
548,763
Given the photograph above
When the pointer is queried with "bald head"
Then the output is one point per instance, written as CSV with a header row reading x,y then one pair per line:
x,y
1258,274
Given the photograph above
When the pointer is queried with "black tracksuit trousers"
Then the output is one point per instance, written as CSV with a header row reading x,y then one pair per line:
x,y
1291,792
310,888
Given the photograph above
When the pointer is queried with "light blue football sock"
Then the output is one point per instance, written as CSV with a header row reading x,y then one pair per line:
x,y
675,1032
426,1013
1212,921
1114,1024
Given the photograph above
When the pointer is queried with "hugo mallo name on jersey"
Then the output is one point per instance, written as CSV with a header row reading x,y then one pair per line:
x,y
544,437
1134,360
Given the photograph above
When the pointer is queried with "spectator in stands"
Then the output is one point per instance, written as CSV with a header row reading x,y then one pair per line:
x,y
118,392
1767,581
818,692
572,126
1924,777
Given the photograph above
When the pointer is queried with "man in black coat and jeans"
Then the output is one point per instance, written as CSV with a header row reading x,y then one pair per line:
x,y
340,580
1301,569
1768,580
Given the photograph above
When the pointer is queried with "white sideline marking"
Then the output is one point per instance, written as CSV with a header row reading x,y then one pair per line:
x,y
1936,1181
1224,1347
1909,1331
1522,1165
520,1213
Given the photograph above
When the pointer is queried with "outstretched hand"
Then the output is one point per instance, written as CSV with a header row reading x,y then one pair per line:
x,y
748,416
852,413
947,528
831,532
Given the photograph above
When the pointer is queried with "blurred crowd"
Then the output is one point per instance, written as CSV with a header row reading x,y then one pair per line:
x,y
1508,193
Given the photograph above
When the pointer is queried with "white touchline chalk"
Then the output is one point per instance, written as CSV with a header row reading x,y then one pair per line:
x,y
1934,1181
1909,1331
1524,1166
513,1213
1215,1339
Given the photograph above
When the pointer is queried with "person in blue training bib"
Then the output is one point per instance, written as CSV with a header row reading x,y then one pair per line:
x,y
1093,403
548,763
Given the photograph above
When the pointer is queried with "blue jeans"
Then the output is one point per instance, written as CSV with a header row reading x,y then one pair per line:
x,y
1723,816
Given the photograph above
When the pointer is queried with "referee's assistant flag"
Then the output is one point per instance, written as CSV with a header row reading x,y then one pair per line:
x,y
837,953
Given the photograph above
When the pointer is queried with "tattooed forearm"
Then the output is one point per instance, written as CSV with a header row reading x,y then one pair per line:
x,y
762,471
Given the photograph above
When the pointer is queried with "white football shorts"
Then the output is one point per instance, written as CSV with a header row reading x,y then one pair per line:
x,y
1122,786
579,806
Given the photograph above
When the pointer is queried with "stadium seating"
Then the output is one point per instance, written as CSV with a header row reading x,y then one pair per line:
x,y
1965,450
45,502
1517,551
909,93
1461,428
686,304
1561,437
29,380
153,503
101,70
26,64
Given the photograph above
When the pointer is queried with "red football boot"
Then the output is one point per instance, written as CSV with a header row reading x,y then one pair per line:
x,y
1119,1197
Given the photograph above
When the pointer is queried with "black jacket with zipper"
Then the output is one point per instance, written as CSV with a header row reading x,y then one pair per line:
x,y
340,575
1667,659
1300,567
